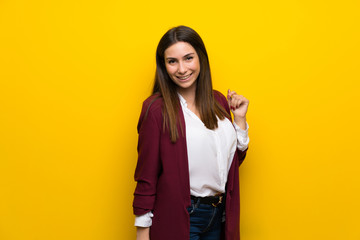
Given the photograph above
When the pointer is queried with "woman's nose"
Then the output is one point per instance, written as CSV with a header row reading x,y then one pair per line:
x,y
182,68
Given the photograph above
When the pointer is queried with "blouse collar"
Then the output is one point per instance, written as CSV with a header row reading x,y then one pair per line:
x,y
182,100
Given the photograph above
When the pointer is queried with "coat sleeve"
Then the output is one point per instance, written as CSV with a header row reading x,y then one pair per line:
x,y
148,165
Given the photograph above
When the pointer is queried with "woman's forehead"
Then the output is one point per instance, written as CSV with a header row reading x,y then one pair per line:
x,y
179,50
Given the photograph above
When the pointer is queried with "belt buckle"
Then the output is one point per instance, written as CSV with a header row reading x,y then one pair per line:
x,y
220,201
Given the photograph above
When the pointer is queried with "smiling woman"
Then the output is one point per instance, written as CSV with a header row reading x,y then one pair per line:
x,y
183,66
189,150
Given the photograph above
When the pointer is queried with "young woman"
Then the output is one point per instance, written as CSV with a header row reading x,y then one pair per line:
x,y
189,150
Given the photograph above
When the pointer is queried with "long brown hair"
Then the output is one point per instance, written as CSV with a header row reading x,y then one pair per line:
x,y
208,107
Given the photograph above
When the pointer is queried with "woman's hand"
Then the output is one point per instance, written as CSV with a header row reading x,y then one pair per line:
x,y
142,233
238,105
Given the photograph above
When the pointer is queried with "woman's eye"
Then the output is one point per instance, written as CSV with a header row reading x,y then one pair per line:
x,y
171,61
189,58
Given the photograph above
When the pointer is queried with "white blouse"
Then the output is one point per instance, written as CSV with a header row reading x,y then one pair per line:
x,y
210,154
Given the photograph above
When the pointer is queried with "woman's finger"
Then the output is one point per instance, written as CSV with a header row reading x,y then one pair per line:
x,y
231,94
239,102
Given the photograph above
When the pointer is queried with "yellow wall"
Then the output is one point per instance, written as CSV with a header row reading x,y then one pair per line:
x,y
73,75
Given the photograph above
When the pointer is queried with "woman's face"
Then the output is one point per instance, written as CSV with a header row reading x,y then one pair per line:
x,y
182,64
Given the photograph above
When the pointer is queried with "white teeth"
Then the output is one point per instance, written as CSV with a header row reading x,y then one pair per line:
x,y
185,77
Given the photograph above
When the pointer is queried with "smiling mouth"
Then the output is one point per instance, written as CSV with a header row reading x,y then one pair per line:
x,y
184,77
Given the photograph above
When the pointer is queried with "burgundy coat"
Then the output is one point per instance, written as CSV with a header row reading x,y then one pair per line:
x,y
162,176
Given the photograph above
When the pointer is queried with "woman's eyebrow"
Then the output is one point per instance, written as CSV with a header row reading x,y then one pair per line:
x,y
188,55
183,56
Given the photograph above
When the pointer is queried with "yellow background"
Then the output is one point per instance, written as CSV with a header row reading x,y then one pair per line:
x,y
73,75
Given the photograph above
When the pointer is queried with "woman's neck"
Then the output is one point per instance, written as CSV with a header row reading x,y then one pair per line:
x,y
188,95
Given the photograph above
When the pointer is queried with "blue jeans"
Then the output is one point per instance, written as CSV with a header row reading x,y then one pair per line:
x,y
205,221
